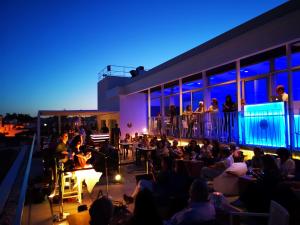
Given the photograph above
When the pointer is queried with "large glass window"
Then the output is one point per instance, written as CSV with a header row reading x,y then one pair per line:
x,y
220,93
155,92
280,79
296,85
255,69
280,63
222,77
191,85
196,97
155,106
256,91
171,88
172,100
296,59
186,100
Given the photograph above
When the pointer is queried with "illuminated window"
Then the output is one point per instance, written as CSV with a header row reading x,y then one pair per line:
x,y
196,97
220,93
255,69
256,91
296,85
222,77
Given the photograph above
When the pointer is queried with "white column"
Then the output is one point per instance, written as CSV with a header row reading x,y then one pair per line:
x,y
162,107
149,109
238,84
290,93
180,97
206,91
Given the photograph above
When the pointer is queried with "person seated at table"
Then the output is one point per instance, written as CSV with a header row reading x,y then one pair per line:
x,y
258,195
101,211
162,150
206,152
61,150
145,210
200,210
192,149
80,158
127,139
216,169
216,149
176,151
165,140
136,137
160,183
228,182
285,164
257,159
144,141
153,141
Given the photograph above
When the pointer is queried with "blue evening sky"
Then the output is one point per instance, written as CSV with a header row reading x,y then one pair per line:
x,y
52,50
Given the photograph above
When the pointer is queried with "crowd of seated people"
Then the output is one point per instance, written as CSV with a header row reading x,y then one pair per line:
x,y
169,193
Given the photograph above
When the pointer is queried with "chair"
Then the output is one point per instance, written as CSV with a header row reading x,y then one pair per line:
x,y
278,215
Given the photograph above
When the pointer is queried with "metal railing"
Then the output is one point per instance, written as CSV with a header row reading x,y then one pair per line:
x,y
113,70
213,125
23,190
266,129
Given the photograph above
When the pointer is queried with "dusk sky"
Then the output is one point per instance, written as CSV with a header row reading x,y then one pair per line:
x,y
52,50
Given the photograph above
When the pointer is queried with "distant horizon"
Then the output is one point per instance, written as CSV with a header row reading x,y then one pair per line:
x,y
52,51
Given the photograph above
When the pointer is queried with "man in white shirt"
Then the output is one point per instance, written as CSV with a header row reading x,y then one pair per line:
x,y
280,91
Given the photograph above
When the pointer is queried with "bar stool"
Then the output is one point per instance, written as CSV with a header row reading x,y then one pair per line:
x,y
71,187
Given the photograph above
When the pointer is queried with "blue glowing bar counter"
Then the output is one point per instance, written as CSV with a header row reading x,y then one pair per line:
x,y
265,125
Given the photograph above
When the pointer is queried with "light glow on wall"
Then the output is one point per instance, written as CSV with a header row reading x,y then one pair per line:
x,y
265,125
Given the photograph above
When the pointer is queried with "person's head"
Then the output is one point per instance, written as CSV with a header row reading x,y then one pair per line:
x,y
77,141
238,156
201,104
101,211
232,147
225,152
258,152
215,143
280,89
64,137
116,125
136,134
214,102
269,164
193,143
127,136
243,102
283,154
175,143
188,108
206,141
199,191
228,99
160,144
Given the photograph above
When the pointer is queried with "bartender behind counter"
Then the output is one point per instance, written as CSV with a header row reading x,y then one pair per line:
x,y
281,93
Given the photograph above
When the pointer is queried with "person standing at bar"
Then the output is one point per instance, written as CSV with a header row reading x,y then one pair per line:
x,y
228,108
281,93
115,136
199,114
